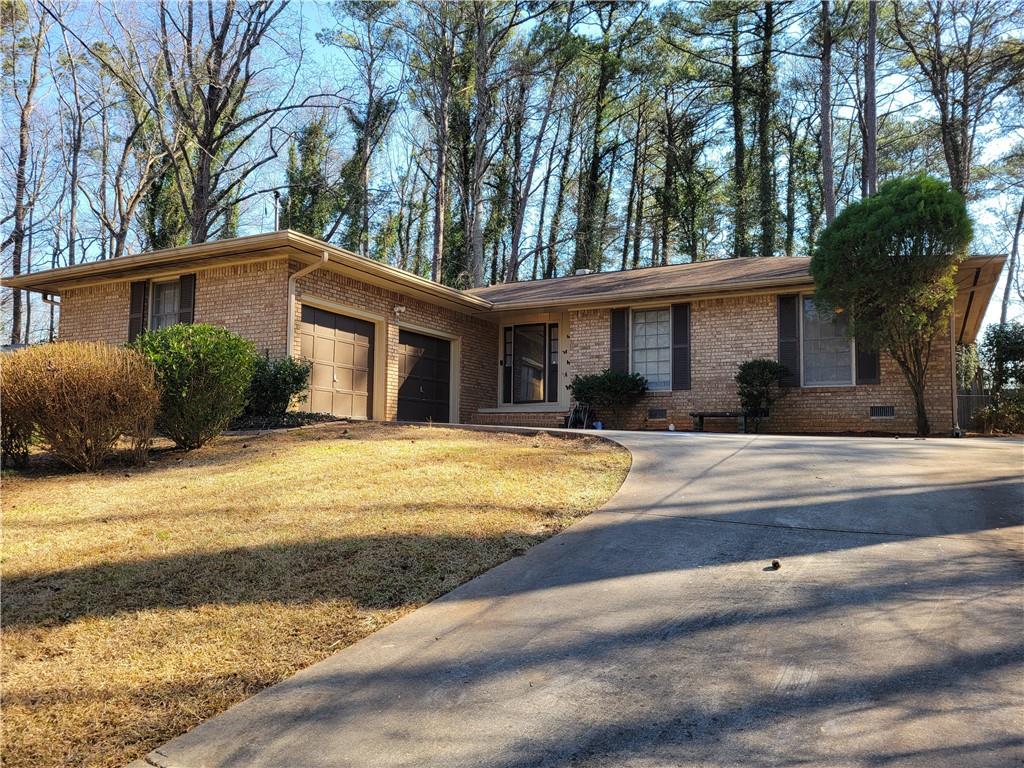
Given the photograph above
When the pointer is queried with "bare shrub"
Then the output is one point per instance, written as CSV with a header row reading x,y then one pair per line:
x,y
15,419
82,397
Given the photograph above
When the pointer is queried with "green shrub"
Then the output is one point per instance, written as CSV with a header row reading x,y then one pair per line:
x,y
1003,414
1002,354
609,392
758,386
82,397
275,384
967,365
204,374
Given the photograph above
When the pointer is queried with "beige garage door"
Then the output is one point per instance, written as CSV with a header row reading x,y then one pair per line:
x,y
341,350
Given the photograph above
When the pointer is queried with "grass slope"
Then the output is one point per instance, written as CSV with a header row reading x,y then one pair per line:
x,y
137,603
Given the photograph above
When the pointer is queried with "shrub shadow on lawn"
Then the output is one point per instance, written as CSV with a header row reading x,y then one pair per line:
x,y
375,572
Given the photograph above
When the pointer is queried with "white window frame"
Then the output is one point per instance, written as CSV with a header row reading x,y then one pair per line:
x,y
853,354
152,304
671,342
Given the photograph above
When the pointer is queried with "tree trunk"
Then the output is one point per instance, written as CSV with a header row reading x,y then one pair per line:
x,y
556,216
364,223
482,101
668,189
638,227
923,427
1011,269
765,160
588,249
606,205
739,172
440,191
628,221
790,190
538,245
421,226
519,212
828,189
17,237
870,106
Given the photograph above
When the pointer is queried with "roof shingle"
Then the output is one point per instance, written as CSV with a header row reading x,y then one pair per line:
x,y
674,279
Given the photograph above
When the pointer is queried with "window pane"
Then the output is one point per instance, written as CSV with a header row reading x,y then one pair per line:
x,y
827,358
165,304
652,347
528,363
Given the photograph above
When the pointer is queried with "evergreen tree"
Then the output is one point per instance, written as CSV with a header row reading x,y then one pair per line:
x,y
311,202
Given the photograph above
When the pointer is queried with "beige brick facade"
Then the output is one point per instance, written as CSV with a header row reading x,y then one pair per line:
x,y
252,300
248,299
474,340
95,313
724,333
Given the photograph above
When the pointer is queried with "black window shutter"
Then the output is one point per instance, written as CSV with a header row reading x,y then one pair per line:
x,y
620,341
137,309
789,338
187,298
869,367
552,382
680,346
506,365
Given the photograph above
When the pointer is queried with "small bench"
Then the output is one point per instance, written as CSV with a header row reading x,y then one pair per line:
x,y
699,416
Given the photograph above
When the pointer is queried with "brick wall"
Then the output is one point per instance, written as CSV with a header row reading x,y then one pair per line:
x,y
248,299
507,419
479,346
95,313
728,331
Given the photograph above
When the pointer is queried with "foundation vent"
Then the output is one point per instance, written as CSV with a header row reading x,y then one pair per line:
x,y
883,411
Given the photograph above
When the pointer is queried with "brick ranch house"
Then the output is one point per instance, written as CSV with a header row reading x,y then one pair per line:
x,y
387,345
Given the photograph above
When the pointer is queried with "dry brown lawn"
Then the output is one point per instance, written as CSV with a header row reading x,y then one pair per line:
x,y
138,602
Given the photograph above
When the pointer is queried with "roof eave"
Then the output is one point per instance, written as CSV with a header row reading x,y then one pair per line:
x,y
283,244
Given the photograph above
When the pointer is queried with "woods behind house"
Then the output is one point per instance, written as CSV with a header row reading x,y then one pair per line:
x,y
484,142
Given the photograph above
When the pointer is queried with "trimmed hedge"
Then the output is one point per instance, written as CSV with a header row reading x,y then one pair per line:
x,y
204,374
609,392
275,384
81,397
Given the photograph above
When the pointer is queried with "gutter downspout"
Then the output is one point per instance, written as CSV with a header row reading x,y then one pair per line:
x,y
51,302
292,279
957,432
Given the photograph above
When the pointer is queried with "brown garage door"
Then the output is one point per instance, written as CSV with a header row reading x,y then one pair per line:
x,y
424,377
341,350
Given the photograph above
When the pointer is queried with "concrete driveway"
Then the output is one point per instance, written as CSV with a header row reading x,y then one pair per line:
x,y
652,634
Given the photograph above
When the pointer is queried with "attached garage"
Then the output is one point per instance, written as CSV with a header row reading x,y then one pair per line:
x,y
424,377
341,350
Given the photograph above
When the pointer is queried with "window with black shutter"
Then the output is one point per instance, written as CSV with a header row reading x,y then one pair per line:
x,y
552,382
172,301
868,365
137,309
789,338
680,346
619,360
